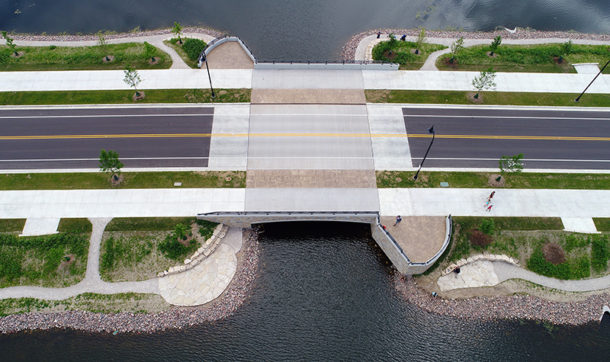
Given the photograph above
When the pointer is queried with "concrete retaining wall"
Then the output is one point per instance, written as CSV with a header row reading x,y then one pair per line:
x,y
247,219
390,248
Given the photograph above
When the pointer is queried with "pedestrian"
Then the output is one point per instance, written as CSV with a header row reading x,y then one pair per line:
x,y
403,37
398,220
378,34
491,196
489,208
457,270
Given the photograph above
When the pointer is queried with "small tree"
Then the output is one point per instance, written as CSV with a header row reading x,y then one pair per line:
x,y
421,39
132,78
10,43
149,51
180,232
392,39
566,49
101,41
456,49
511,164
495,44
109,163
485,80
177,29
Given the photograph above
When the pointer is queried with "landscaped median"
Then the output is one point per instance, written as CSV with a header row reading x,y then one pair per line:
x,y
490,98
131,180
125,96
522,180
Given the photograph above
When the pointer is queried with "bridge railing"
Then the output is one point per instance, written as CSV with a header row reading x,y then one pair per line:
x,y
218,41
387,233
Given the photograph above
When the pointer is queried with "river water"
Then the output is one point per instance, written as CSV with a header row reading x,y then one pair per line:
x,y
324,293
301,29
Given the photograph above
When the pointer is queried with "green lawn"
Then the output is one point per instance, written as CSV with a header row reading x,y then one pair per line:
x,y
173,43
11,225
76,226
125,96
147,223
602,224
538,58
72,181
402,52
496,98
523,180
57,260
524,239
82,58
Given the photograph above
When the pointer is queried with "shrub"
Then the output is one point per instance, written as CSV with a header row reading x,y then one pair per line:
x,y
538,264
172,248
479,239
52,47
5,56
553,253
600,253
193,48
487,226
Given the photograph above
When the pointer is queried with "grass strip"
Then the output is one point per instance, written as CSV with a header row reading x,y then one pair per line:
x,y
493,98
75,225
140,180
125,96
524,180
90,302
54,57
11,225
147,223
512,223
602,224
403,53
539,58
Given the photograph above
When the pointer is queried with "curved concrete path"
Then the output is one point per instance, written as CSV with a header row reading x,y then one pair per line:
x,y
156,40
365,47
490,273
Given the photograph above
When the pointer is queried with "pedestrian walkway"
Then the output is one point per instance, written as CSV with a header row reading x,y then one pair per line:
x,y
490,273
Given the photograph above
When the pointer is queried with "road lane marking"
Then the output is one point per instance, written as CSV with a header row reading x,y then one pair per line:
x,y
502,137
112,116
297,134
507,117
496,160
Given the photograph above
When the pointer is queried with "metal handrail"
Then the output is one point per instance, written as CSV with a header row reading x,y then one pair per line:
x,y
325,62
379,225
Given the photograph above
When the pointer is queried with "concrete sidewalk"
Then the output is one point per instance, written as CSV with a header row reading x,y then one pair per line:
x,y
299,79
405,202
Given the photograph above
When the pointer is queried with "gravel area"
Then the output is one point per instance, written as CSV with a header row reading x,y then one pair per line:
x,y
349,49
175,318
504,307
109,36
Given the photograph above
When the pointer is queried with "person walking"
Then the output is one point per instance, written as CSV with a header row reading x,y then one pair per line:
x,y
398,220
491,196
489,208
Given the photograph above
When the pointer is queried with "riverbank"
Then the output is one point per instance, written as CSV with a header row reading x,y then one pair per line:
x,y
349,49
174,318
513,307
112,35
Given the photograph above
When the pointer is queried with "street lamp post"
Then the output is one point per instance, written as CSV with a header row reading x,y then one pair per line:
x,y
600,72
430,130
205,59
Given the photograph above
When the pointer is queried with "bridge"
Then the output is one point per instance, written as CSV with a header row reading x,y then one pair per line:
x,y
410,254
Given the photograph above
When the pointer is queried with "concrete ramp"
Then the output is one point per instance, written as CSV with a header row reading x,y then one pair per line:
x,y
229,55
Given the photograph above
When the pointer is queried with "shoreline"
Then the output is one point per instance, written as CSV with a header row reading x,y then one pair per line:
x,y
175,318
348,51
511,307
112,35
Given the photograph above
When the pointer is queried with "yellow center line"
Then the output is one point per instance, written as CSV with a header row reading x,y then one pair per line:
x,y
338,135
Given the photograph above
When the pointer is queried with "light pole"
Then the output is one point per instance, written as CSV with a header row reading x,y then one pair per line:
x,y
205,59
430,130
600,72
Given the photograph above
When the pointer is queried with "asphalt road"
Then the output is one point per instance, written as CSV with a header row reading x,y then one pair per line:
x,y
472,138
73,138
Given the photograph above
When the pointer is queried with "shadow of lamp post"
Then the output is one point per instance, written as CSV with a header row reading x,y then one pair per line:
x,y
430,130
202,59
600,72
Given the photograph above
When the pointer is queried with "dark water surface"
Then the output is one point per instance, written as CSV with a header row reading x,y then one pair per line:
x,y
324,293
301,29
